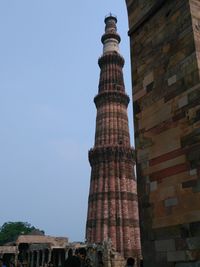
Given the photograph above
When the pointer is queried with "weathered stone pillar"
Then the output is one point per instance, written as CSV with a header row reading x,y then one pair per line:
x,y
49,255
59,258
29,258
16,258
38,258
43,257
32,258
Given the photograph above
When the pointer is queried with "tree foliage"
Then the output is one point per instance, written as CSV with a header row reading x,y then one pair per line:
x,y
9,231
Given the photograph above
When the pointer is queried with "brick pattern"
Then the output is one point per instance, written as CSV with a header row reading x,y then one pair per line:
x,y
165,57
112,202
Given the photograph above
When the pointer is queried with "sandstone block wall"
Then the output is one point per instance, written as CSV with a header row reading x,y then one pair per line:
x,y
165,57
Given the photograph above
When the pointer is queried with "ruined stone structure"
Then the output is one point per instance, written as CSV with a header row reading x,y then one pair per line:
x,y
40,251
165,57
112,204
35,251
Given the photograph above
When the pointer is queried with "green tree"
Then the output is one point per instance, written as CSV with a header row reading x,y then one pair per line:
x,y
9,231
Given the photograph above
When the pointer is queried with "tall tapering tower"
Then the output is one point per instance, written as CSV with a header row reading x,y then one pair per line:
x,y
112,203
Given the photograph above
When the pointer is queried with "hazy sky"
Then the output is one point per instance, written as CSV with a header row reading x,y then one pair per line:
x,y
48,78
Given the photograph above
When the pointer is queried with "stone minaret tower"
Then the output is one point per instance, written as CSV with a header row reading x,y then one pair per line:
x,y
112,204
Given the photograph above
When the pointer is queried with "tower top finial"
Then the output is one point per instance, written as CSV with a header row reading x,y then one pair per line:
x,y
110,21
110,16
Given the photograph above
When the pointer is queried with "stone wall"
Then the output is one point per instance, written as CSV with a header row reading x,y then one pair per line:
x,y
165,54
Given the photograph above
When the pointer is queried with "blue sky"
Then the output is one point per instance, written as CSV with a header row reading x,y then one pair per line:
x,y
48,78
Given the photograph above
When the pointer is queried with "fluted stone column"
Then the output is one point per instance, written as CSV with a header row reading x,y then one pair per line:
x,y
112,203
